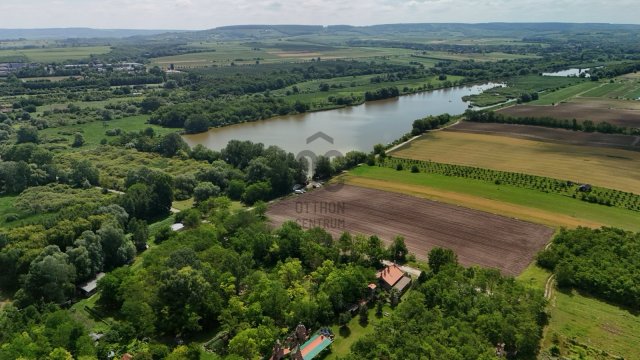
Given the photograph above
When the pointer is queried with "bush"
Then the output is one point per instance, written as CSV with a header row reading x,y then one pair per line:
x,y
414,169
399,167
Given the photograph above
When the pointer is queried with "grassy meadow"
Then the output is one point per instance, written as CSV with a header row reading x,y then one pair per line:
x,y
94,132
580,164
56,54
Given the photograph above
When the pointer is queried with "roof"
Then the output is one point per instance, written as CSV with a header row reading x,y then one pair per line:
x,y
90,286
177,227
372,286
127,356
402,284
390,274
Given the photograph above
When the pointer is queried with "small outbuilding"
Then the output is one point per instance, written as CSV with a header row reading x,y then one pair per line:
x,y
89,288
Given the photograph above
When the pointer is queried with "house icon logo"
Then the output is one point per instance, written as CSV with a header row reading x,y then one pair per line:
x,y
319,135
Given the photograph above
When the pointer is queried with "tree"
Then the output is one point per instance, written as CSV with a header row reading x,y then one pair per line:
x,y
398,249
140,315
344,319
235,189
256,192
78,140
187,300
139,233
82,172
118,250
27,134
171,144
439,258
364,314
204,191
51,278
323,169
196,123
150,104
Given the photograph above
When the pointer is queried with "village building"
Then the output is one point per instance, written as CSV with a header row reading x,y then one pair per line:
x,y
392,277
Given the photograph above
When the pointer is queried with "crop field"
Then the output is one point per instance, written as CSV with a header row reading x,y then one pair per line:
x,y
59,54
555,97
617,112
550,134
491,56
479,238
580,164
242,53
531,205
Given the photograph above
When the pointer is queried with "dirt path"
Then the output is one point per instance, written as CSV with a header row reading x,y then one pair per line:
x,y
548,287
417,136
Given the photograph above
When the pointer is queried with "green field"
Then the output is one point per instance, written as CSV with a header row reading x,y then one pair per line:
x,y
555,97
622,88
490,56
223,54
522,84
583,326
536,206
56,54
354,85
93,132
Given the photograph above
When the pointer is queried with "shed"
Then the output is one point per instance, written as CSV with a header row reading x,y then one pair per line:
x,y
89,288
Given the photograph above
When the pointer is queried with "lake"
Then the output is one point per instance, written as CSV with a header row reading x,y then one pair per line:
x,y
352,128
568,72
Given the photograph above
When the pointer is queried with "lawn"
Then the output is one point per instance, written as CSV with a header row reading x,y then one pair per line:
x,y
94,132
580,164
545,208
57,54
347,336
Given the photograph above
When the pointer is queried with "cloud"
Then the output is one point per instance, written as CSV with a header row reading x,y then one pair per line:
x,y
204,14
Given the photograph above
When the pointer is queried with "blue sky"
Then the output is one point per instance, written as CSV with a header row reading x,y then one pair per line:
x,y
204,14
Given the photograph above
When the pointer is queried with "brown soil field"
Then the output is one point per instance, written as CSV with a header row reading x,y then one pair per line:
x,y
550,134
618,112
477,237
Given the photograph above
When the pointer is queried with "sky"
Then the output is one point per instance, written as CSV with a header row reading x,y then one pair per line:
x,y
206,14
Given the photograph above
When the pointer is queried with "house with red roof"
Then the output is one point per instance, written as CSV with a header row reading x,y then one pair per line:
x,y
392,277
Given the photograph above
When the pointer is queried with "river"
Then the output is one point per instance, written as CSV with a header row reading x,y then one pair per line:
x,y
352,128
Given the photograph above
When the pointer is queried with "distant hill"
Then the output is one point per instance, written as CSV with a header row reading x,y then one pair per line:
x,y
66,33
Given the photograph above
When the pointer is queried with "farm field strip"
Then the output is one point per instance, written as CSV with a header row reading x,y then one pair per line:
x,y
580,164
531,205
558,96
616,112
479,238
549,134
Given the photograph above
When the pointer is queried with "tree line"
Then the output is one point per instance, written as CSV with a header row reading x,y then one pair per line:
x,y
602,262
547,121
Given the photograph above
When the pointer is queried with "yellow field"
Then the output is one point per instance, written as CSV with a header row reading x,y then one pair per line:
x,y
610,168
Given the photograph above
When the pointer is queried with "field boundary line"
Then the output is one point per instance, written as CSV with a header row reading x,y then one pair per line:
x,y
396,147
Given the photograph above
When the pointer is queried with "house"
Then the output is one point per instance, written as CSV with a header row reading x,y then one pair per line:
x,y
392,277
89,288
